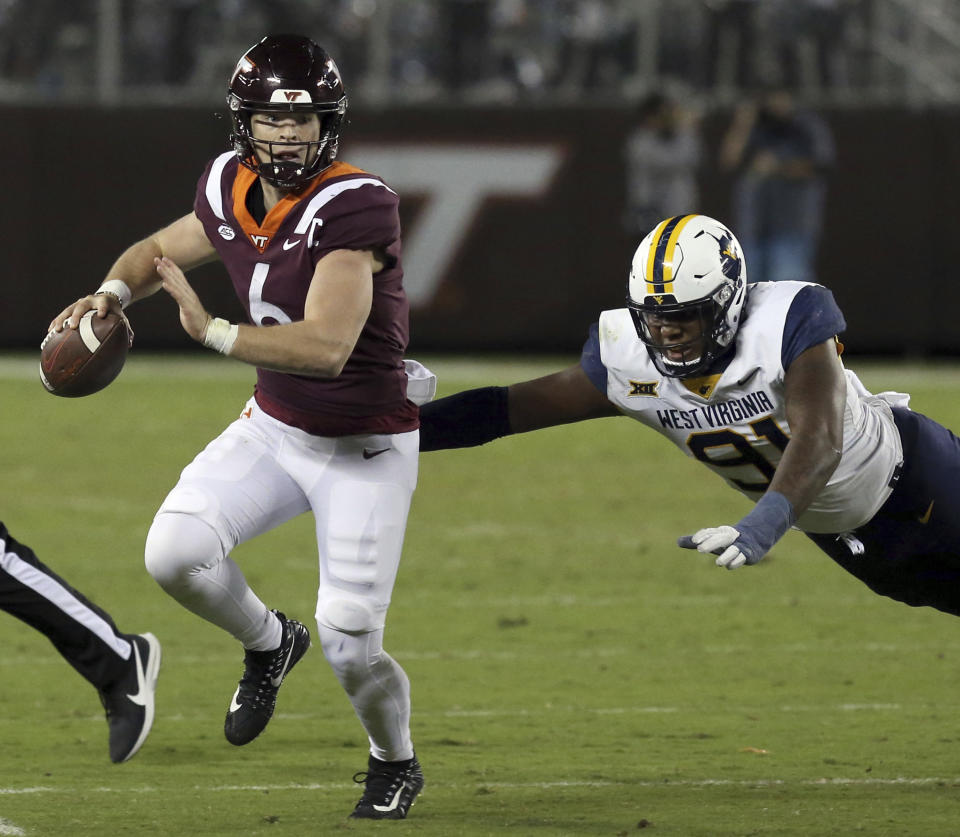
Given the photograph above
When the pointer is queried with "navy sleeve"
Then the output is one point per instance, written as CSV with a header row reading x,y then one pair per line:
x,y
813,317
469,418
591,362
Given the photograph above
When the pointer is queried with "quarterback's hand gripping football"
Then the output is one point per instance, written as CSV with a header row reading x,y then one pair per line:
x,y
102,303
751,539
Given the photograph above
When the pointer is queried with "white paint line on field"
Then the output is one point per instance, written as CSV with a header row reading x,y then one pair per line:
x,y
847,707
526,713
553,709
8,828
640,710
905,781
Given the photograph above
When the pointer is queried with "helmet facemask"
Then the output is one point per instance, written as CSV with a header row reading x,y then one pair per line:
x,y
284,173
712,335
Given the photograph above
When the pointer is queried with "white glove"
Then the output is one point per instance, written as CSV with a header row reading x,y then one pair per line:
x,y
720,540
751,539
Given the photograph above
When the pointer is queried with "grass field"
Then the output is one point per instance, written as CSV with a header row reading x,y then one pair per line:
x,y
573,671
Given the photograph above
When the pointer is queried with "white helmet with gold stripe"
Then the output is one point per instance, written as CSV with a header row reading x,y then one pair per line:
x,y
686,293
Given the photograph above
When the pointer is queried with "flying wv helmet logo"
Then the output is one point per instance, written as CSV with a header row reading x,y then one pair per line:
x,y
729,258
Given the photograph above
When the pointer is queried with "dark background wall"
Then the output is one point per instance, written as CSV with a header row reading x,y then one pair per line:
x,y
529,273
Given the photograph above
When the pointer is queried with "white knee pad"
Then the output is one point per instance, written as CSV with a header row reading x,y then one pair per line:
x,y
346,613
178,544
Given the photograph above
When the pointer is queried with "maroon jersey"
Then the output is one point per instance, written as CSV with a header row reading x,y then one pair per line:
x,y
271,266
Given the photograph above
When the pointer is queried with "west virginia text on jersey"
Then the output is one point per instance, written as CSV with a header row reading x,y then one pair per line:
x,y
737,426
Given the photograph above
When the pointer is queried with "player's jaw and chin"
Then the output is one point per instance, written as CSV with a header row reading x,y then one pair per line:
x,y
296,144
678,349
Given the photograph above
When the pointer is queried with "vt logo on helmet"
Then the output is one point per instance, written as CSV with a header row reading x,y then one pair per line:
x,y
686,292
287,76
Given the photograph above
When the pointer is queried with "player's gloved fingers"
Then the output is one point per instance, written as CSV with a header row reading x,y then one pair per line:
x,y
715,540
696,540
731,558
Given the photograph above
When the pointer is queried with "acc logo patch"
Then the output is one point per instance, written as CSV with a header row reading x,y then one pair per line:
x,y
226,232
643,388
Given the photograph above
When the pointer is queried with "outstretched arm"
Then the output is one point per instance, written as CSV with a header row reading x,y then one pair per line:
x,y
476,416
133,275
815,395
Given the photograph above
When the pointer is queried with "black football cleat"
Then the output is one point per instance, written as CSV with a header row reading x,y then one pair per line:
x,y
252,705
390,789
129,703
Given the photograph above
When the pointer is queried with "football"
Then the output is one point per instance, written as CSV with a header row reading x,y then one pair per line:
x,y
82,361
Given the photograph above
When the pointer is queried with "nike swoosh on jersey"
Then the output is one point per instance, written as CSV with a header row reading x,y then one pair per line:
x,y
393,803
234,706
289,245
369,454
925,518
276,681
747,377
140,698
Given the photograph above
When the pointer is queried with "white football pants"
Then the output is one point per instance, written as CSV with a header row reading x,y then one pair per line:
x,y
260,473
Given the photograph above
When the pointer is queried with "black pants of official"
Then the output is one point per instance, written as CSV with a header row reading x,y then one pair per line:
x,y
35,594
911,547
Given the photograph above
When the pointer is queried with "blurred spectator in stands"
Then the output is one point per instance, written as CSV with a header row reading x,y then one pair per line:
x,y
731,38
160,40
780,155
663,155
48,44
416,56
596,46
519,31
809,39
680,41
466,36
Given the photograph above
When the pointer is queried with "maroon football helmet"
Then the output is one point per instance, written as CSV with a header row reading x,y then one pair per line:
x,y
287,73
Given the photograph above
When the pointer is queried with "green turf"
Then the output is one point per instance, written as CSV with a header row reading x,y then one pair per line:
x,y
573,672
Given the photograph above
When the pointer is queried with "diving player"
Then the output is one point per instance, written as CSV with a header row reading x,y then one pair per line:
x,y
748,379
312,246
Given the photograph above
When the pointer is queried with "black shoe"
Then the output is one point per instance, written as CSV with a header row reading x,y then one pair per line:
x,y
252,704
129,702
390,788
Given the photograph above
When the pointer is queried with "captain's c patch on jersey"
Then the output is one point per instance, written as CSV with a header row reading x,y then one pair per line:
x,y
643,388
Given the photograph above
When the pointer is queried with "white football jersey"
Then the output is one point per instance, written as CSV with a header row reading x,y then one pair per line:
x,y
735,422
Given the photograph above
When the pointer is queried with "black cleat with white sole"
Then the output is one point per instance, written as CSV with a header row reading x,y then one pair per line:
x,y
390,789
129,703
251,706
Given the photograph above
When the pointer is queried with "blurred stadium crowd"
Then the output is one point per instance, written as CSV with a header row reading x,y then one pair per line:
x,y
490,51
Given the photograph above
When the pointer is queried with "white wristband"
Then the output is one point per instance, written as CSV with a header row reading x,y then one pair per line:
x,y
220,335
119,289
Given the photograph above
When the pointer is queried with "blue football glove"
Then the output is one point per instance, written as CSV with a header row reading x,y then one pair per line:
x,y
751,539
